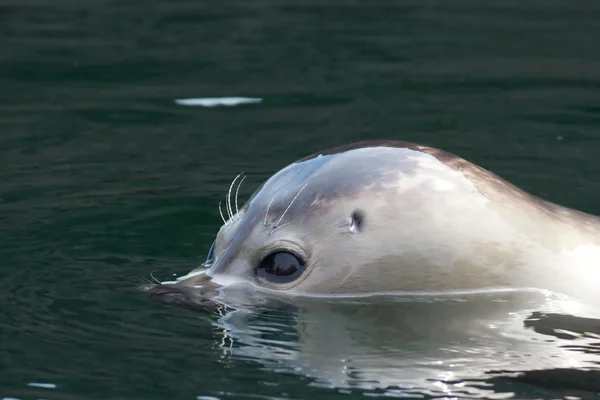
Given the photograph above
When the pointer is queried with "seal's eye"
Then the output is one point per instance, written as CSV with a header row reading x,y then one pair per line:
x,y
280,267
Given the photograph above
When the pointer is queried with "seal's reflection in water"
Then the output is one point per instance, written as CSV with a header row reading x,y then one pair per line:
x,y
438,345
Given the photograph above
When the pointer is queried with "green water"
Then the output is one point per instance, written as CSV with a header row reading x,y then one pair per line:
x,y
104,180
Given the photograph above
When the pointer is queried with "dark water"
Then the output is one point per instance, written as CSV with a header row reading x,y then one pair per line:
x,y
105,180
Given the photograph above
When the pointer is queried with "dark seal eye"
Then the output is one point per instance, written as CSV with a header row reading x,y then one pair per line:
x,y
281,267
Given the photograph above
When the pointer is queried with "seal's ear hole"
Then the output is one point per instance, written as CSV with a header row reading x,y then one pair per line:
x,y
357,220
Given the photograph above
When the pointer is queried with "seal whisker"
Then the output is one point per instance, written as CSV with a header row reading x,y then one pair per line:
x,y
269,207
237,210
291,202
227,212
221,213
156,280
228,204
228,201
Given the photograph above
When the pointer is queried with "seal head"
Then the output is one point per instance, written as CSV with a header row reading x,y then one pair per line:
x,y
379,217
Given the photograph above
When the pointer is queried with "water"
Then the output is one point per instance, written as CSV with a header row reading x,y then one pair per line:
x,y
105,179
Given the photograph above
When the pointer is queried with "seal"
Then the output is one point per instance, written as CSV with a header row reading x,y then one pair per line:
x,y
390,217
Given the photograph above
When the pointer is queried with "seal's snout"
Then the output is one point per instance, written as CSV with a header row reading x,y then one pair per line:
x,y
170,294
196,292
182,296
164,292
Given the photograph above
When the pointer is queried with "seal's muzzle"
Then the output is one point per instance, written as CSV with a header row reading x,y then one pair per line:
x,y
196,292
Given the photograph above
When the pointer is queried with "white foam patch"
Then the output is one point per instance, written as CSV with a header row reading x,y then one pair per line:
x,y
42,385
217,101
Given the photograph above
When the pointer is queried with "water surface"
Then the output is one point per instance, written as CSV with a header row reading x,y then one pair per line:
x,y
105,179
